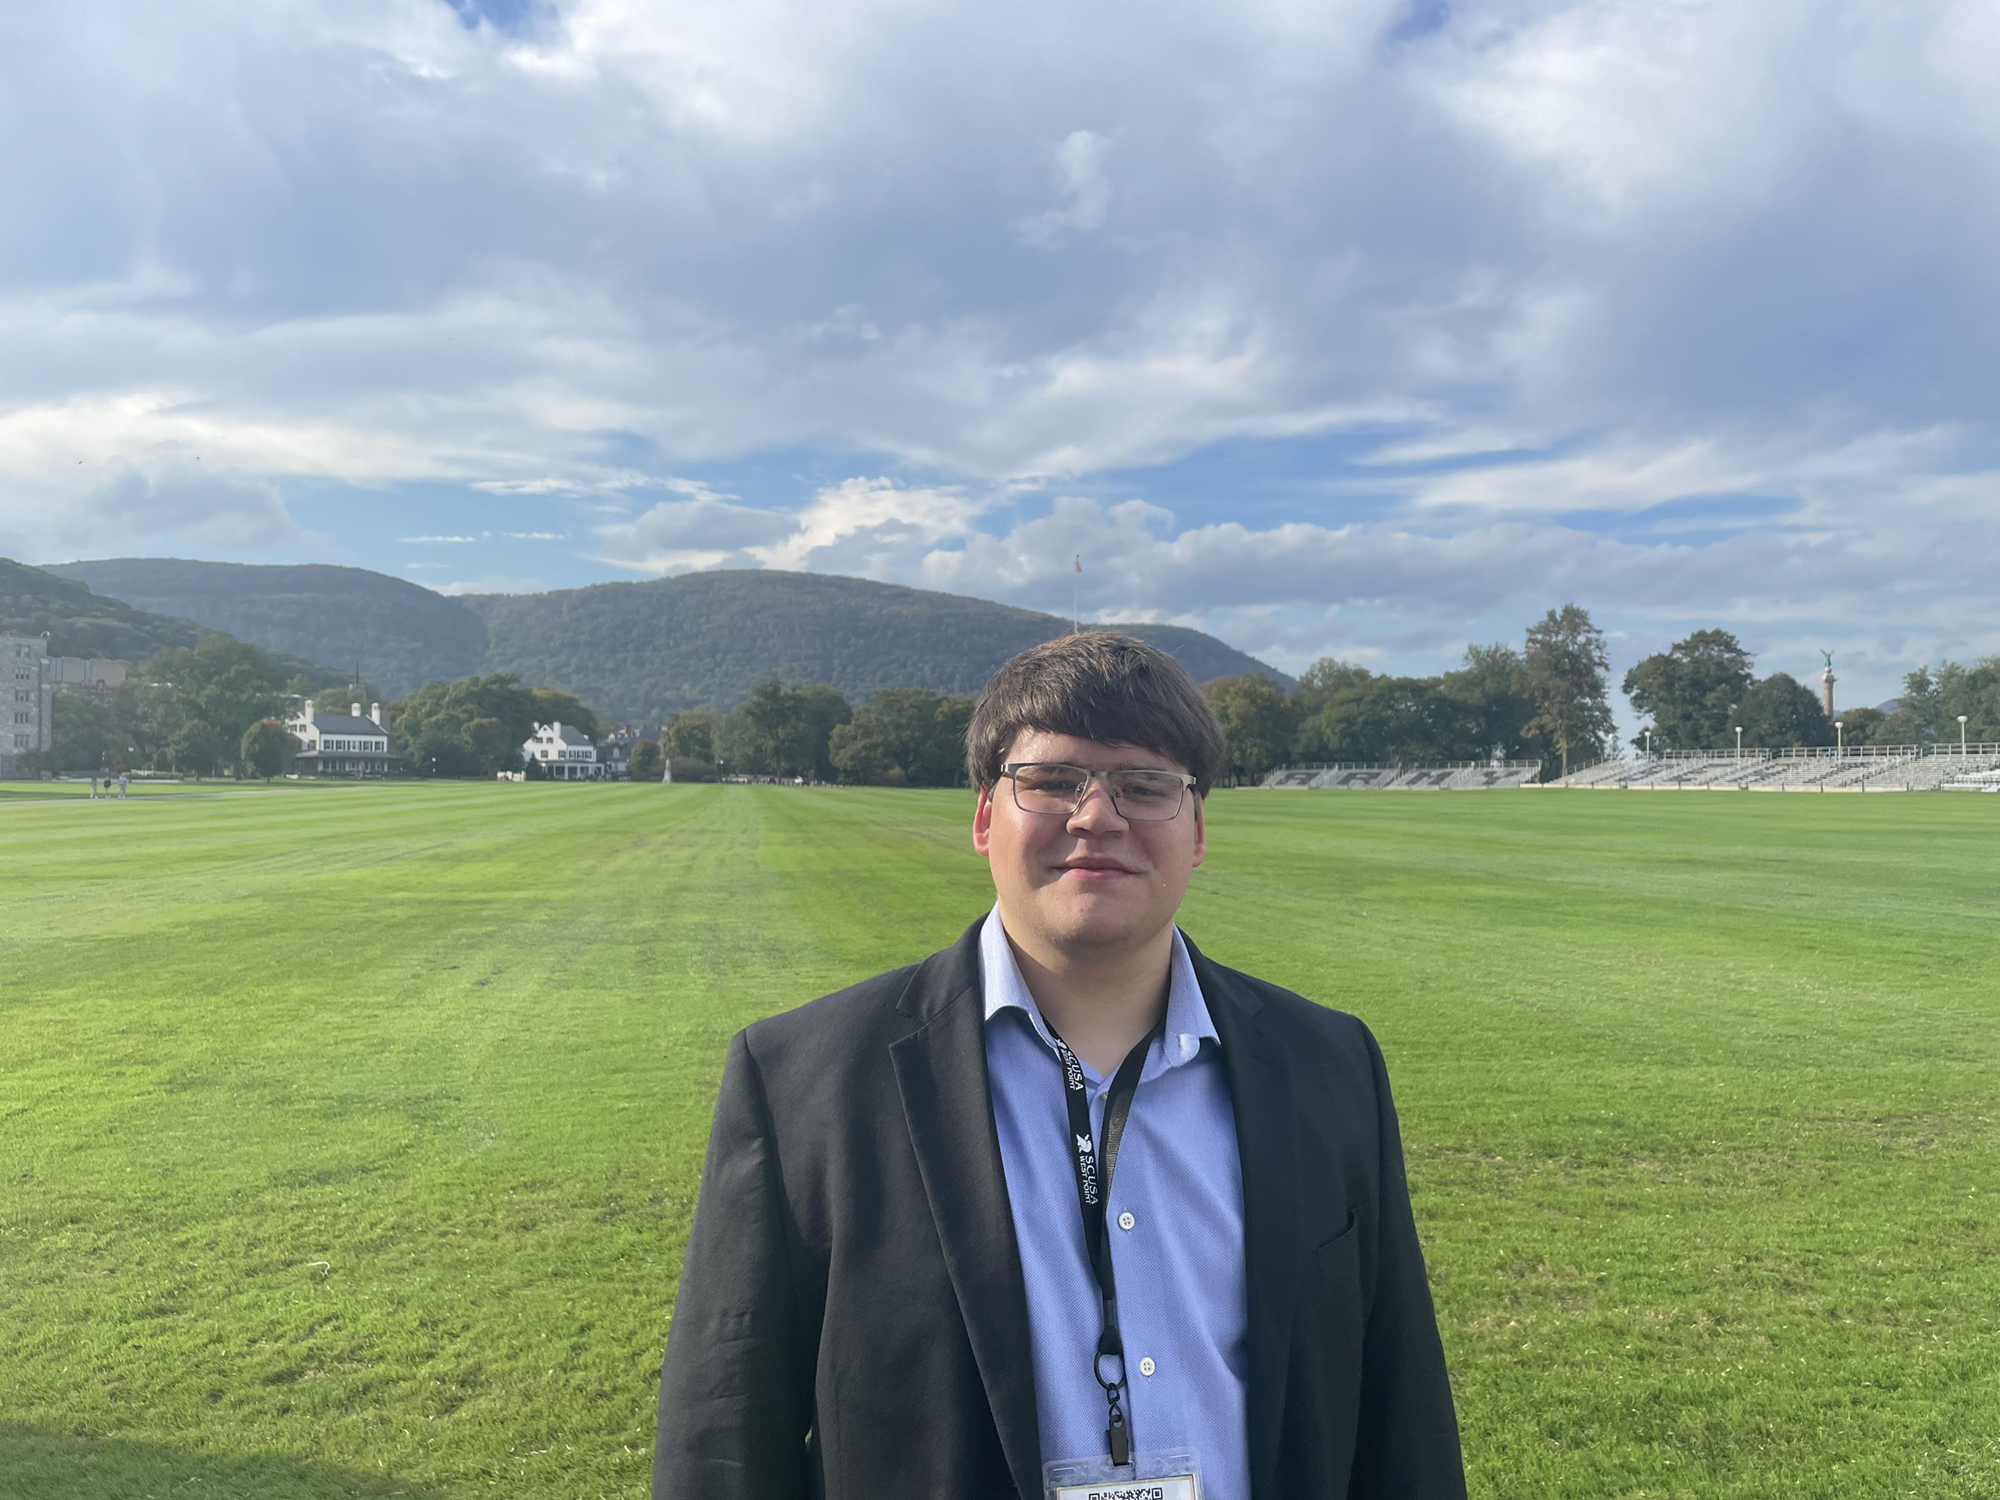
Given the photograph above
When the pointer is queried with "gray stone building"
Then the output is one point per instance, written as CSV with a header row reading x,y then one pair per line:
x,y
27,702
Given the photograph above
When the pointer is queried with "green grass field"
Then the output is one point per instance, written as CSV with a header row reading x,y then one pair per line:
x,y
349,1136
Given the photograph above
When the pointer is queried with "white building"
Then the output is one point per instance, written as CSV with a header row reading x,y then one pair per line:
x,y
563,752
27,701
346,744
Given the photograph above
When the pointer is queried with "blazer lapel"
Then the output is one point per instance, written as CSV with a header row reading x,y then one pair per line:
x,y
1260,1092
941,1071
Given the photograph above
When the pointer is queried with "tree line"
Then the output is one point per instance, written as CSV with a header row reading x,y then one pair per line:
x,y
1699,691
898,737
190,711
1931,704
1547,700
477,725
219,705
1550,701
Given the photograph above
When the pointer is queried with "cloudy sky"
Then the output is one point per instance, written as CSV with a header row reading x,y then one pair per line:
x,y
1367,328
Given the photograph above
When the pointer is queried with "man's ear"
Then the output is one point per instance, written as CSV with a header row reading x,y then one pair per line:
x,y
1200,830
982,822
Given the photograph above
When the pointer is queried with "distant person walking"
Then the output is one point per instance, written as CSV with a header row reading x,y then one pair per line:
x,y
93,788
124,781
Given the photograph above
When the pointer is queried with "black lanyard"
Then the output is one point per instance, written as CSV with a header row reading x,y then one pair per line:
x,y
1093,1190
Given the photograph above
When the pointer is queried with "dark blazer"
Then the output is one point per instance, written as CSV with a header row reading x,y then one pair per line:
x,y
852,1321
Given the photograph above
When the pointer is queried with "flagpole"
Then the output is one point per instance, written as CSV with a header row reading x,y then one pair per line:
x,y
1076,599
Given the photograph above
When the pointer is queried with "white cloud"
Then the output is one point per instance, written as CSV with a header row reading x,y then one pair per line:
x,y
1683,301
1634,99
1396,594
1081,178
1608,479
494,584
857,526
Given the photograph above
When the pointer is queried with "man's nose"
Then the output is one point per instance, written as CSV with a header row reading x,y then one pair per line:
x,y
1096,810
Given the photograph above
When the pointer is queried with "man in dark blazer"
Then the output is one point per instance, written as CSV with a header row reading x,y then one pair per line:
x,y
913,1276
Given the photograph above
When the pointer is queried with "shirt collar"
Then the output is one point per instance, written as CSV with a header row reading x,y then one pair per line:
x,y
1188,1021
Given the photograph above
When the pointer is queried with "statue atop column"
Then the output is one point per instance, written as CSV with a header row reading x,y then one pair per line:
x,y
1826,684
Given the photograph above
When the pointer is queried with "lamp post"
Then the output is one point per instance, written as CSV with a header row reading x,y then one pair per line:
x,y
1649,747
1739,742
1840,735
1961,734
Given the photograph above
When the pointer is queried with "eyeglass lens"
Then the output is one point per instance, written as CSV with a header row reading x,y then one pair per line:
x,y
1144,796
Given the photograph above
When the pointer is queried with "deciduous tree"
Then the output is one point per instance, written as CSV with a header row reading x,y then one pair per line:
x,y
904,737
1861,726
1691,690
267,748
1567,681
477,725
1492,684
1782,711
781,731
1257,721
691,735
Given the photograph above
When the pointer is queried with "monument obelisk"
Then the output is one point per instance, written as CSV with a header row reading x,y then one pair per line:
x,y
1826,685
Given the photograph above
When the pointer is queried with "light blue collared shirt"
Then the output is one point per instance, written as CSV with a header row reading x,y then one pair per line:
x,y
1182,1303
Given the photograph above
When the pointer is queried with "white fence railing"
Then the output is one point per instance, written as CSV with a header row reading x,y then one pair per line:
x,y
1407,765
1985,749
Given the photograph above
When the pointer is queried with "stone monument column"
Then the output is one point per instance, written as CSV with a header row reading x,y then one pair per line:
x,y
1826,685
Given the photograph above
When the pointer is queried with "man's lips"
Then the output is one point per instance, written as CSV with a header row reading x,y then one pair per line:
x,y
1095,868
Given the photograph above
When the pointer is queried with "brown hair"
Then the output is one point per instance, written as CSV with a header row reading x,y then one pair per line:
x,y
1097,685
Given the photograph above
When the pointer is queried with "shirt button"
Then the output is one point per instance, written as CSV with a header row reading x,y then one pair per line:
x,y
1146,1366
1126,1221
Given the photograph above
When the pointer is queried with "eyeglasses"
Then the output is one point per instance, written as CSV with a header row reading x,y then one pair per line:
x,y
1056,790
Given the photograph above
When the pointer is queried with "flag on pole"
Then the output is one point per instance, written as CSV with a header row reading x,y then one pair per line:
x,y
1079,562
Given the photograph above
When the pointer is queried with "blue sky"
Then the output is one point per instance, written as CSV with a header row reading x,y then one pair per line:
x,y
1366,329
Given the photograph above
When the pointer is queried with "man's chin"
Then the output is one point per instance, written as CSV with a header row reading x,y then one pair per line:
x,y
1088,924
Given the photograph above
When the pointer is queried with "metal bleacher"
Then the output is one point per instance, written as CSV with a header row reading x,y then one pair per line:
x,y
1799,768
1457,776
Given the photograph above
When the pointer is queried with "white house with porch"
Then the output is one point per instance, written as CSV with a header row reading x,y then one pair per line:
x,y
346,744
564,752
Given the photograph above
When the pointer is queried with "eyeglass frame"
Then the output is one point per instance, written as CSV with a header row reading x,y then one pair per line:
x,y
1187,781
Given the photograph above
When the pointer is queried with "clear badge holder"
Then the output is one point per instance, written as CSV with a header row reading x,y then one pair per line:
x,y
1168,1474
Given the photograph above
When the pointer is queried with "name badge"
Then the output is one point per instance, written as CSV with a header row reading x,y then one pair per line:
x,y
1167,1487
1169,1475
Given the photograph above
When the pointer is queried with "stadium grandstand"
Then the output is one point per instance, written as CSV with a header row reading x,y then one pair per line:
x,y
1455,776
1857,768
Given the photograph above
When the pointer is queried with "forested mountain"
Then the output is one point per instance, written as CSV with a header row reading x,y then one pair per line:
x,y
633,651
641,651
400,635
81,622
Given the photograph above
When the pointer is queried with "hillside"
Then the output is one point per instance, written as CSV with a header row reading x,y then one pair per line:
x,y
79,622
633,651
401,635
637,651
